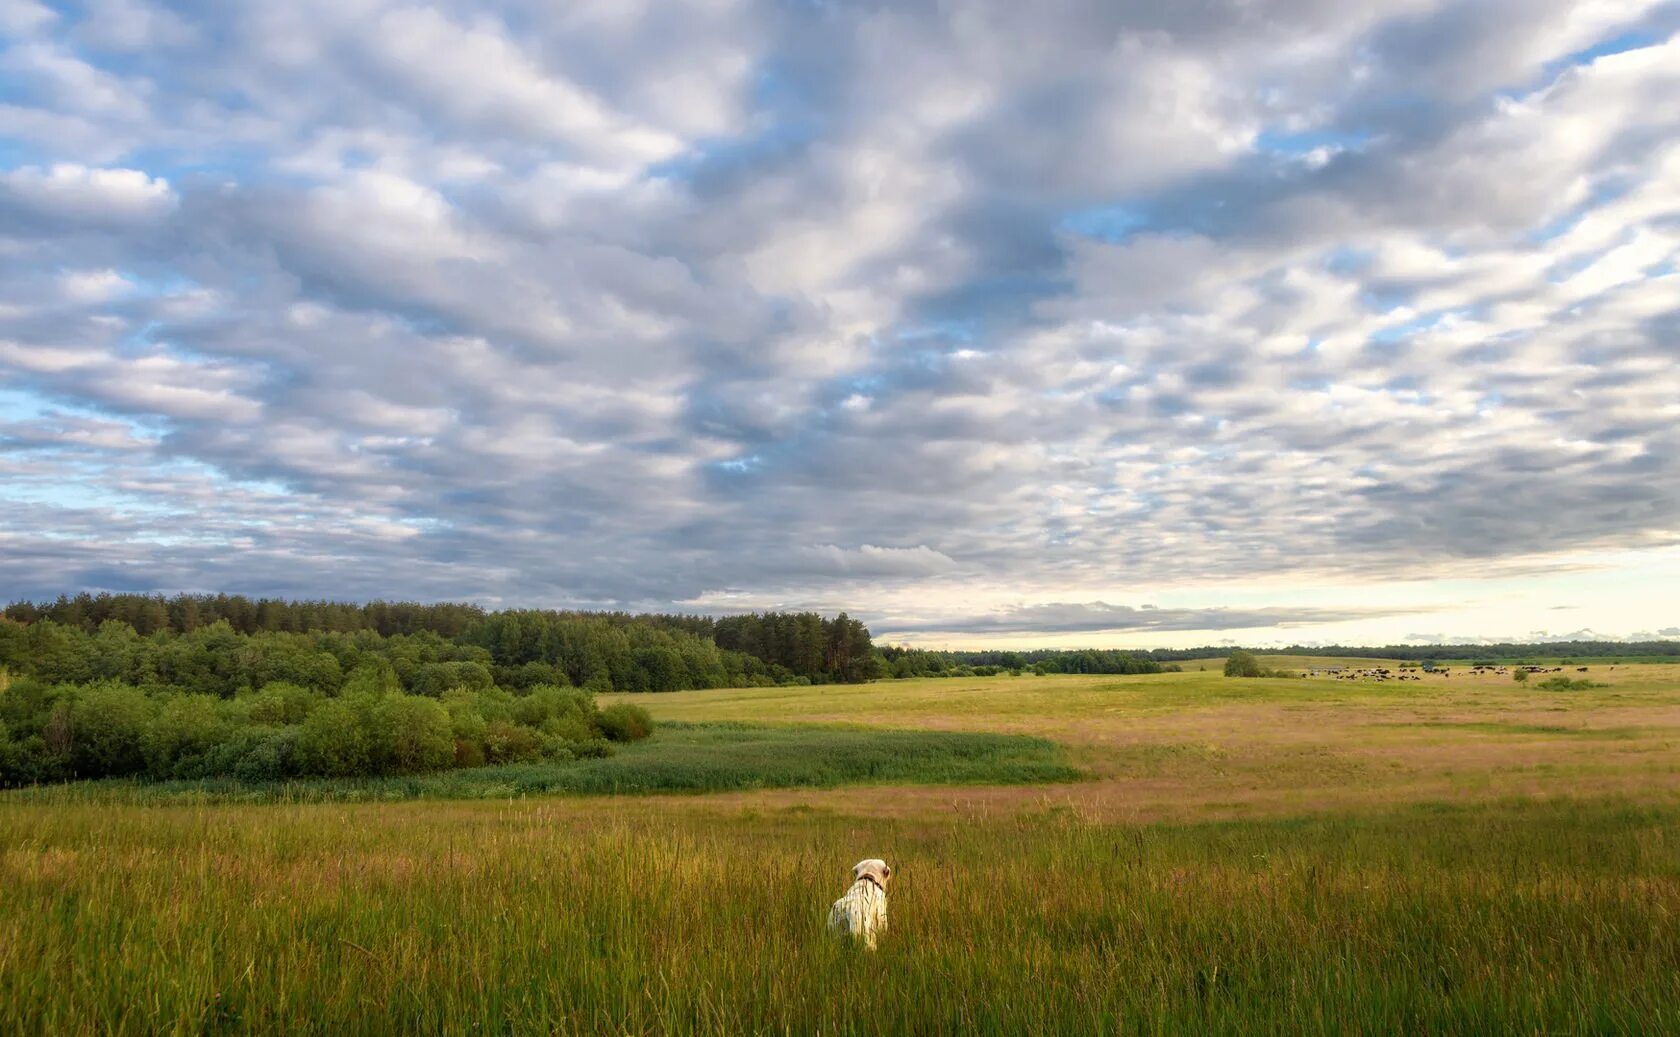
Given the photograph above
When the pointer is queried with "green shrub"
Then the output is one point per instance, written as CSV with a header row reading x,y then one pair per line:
x,y
1520,676
185,729
625,722
9,754
532,674
557,712
493,705
282,703
269,757
593,749
1242,664
511,743
255,754
436,678
108,724
467,727
469,752
411,735
1565,684
372,678
333,741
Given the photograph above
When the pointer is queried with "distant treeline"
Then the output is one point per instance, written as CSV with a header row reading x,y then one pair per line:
x,y
184,613
918,662
600,651
1507,650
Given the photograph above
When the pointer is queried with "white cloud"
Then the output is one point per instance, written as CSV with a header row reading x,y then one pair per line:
x,y
628,303
74,193
22,17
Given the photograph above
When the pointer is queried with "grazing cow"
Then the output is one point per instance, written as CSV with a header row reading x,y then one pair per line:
x,y
862,913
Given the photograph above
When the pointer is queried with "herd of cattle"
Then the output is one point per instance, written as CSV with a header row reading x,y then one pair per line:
x,y
1412,673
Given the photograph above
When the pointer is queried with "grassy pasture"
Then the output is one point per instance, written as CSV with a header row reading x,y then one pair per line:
x,y
1199,745
1451,855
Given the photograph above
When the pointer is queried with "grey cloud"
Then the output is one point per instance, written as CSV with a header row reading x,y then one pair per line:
x,y
786,300
1101,617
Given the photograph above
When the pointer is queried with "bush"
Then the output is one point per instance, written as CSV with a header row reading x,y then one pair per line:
x,y
186,729
1520,676
624,722
466,727
1242,664
1565,684
282,703
108,724
372,678
333,741
254,754
510,743
269,757
530,675
411,735
558,713
434,679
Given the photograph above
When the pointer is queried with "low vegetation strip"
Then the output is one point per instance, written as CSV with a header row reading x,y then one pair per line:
x,y
679,758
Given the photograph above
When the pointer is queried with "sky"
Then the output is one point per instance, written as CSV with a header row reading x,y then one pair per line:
x,y
991,323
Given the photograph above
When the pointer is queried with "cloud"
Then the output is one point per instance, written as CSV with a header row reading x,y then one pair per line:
x,y
611,304
24,16
871,561
73,196
1101,617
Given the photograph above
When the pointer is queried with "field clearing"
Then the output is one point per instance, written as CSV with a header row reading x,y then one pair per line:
x,y
1451,855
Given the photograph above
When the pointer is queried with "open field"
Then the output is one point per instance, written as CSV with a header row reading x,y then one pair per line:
x,y
1199,745
1449,855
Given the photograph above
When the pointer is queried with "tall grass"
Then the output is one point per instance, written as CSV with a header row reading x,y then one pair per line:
x,y
659,917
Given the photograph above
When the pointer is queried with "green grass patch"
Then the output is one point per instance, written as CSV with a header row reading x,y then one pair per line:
x,y
690,758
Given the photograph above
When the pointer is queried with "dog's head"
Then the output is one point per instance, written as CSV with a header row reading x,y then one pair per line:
x,y
874,869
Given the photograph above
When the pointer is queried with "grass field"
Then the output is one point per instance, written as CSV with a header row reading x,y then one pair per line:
x,y
1455,855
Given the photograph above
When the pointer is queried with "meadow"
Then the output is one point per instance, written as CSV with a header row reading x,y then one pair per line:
x,y
1454,855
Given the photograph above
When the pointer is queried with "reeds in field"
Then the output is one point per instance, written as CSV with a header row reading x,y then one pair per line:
x,y
627,916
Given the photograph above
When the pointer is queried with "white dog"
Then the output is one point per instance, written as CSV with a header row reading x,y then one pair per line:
x,y
862,912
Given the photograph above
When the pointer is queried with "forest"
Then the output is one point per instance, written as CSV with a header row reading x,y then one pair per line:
x,y
206,686
600,651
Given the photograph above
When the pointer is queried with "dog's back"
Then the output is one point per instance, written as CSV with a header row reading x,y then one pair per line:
x,y
862,912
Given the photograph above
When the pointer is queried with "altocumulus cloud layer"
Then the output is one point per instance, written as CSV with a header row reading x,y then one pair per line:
x,y
730,304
